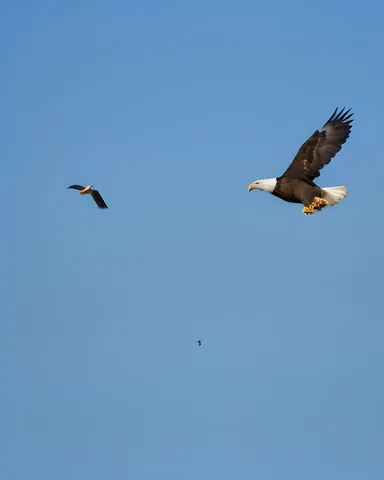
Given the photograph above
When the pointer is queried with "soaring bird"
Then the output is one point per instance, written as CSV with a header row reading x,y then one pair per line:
x,y
199,342
95,194
296,185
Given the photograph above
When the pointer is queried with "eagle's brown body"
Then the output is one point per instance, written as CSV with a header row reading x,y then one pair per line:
x,y
294,190
86,190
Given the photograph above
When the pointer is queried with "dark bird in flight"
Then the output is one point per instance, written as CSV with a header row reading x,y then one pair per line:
x,y
199,342
95,194
296,185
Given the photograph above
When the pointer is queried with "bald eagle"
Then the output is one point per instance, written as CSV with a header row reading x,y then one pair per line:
x,y
95,194
296,185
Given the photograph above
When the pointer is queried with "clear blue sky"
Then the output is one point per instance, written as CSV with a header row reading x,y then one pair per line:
x,y
171,109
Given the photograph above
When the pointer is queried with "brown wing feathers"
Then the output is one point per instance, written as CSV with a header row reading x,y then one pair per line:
x,y
321,147
98,199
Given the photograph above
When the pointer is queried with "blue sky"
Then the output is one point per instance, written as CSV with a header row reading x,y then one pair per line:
x,y
171,109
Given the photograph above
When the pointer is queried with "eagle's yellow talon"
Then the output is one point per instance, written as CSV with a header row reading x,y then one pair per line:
x,y
319,203
308,210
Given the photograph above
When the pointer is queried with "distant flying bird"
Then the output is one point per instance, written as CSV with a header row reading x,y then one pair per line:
x,y
296,184
95,194
199,343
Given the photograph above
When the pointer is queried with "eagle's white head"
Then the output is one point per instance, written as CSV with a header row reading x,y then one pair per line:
x,y
266,185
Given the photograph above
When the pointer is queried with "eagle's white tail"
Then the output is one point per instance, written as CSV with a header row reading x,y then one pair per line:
x,y
334,195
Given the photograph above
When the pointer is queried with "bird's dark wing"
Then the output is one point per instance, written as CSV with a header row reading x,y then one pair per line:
x,y
321,147
77,187
98,199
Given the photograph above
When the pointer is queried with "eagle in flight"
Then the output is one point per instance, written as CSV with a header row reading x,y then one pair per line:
x,y
297,185
95,194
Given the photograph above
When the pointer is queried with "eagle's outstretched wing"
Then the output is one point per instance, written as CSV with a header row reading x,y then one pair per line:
x,y
77,187
321,147
98,199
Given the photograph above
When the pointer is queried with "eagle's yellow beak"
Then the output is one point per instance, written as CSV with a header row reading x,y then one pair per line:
x,y
252,186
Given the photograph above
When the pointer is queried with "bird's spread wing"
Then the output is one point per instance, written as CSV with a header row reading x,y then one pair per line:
x,y
321,147
98,199
77,187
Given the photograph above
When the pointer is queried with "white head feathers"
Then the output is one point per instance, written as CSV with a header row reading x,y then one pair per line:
x,y
266,185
